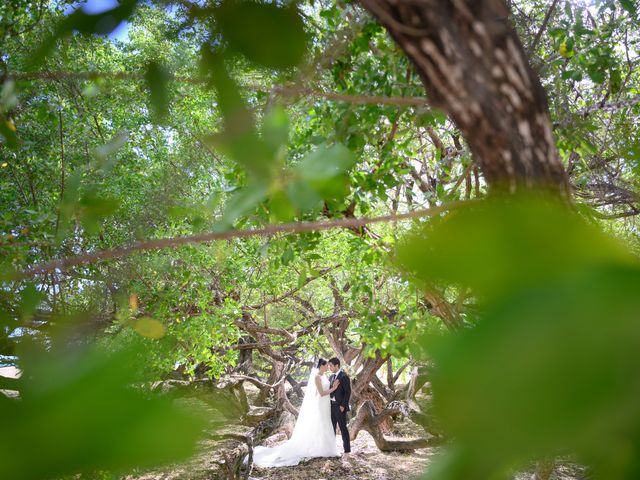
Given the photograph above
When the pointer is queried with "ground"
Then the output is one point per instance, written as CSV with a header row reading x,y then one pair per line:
x,y
365,463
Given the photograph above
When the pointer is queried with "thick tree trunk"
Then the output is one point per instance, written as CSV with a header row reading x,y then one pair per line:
x,y
367,419
475,69
377,403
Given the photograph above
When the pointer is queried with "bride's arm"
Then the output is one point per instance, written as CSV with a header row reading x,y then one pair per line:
x,y
320,389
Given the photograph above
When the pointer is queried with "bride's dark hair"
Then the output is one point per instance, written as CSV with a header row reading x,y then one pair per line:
x,y
321,362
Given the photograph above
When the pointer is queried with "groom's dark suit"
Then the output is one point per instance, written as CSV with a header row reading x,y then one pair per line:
x,y
340,398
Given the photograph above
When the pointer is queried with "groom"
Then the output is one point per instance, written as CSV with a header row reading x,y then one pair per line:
x,y
340,401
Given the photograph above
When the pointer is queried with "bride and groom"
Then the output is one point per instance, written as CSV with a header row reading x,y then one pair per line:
x,y
325,404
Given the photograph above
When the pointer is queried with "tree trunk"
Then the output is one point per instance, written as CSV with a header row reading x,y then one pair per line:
x,y
475,69
376,403
362,379
367,419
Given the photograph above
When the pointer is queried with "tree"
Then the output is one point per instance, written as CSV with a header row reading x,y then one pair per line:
x,y
306,164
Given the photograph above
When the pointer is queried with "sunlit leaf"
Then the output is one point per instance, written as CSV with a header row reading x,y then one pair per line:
x,y
149,327
8,132
133,302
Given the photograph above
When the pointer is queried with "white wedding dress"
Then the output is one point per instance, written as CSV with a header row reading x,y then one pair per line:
x,y
313,435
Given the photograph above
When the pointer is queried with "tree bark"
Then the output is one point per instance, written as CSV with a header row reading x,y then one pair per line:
x,y
474,68
367,419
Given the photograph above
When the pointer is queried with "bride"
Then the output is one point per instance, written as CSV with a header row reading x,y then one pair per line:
x,y
313,434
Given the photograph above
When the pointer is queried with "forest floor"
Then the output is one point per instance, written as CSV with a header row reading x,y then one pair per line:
x,y
366,462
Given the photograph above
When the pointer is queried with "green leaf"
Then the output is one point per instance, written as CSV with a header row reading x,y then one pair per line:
x,y
281,207
8,132
275,130
8,97
30,299
287,256
572,74
426,117
325,163
105,151
302,195
79,411
629,6
302,278
240,139
505,243
615,80
241,203
266,33
157,79
550,369
598,76
149,327
93,208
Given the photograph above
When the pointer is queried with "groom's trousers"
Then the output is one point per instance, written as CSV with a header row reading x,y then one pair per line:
x,y
340,418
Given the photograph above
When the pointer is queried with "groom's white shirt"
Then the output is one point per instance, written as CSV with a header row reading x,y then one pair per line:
x,y
333,399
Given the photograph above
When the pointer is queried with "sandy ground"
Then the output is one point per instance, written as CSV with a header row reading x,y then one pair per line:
x,y
366,463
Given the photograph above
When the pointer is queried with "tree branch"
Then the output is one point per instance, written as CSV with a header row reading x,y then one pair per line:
x,y
173,242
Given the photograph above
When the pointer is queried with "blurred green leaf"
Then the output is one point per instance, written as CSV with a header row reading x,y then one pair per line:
x,y
105,153
93,208
275,130
8,97
266,33
79,412
629,6
325,163
281,207
8,132
241,203
149,327
321,174
302,195
239,139
505,243
30,299
157,78
550,369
